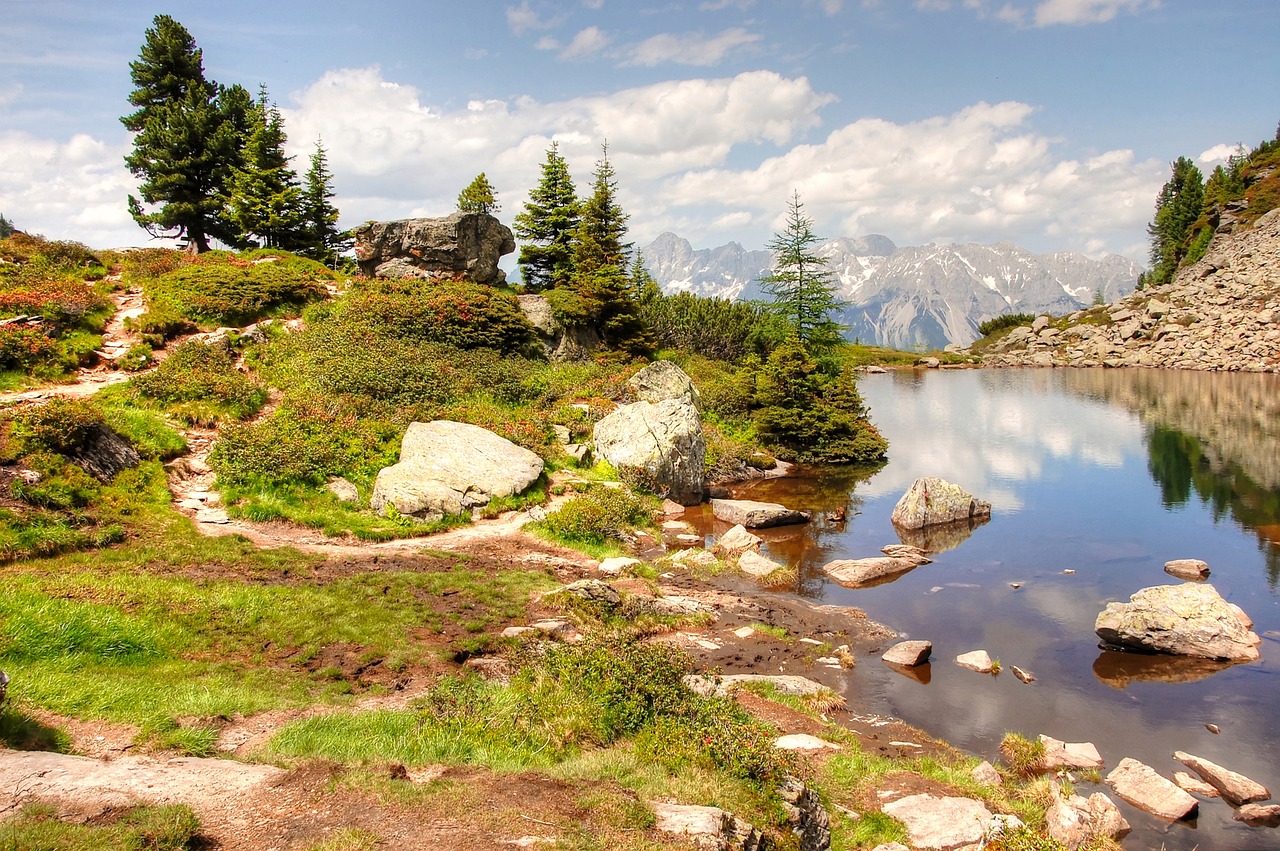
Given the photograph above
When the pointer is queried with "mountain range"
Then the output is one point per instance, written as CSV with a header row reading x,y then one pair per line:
x,y
925,297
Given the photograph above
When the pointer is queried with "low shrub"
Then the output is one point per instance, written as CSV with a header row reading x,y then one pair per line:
x,y
222,289
598,516
60,425
999,323
24,347
203,373
172,827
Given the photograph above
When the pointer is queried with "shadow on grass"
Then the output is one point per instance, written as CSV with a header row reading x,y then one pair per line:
x,y
20,731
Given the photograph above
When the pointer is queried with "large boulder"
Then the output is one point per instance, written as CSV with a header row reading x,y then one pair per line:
x,y
448,468
663,380
931,500
661,444
1185,620
463,245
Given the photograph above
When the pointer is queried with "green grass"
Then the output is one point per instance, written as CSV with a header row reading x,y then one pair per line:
x,y
159,828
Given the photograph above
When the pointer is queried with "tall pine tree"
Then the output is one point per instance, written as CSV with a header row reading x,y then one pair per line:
x,y
803,289
186,140
264,198
1178,205
547,226
321,237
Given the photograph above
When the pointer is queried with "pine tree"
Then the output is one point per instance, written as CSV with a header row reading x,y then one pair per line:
x,y
6,227
802,287
478,197
186,139
547,226
321,237
264,198
1178,206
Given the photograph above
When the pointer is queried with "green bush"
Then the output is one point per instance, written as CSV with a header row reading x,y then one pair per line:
x,y
599,515
220,288
161,323
204,373
712,327
24,347
999,323
61,425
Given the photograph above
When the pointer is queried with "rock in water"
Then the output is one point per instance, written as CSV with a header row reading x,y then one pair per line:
x,y
660,443
1185,620
662,380
930,501
1192,569
1234,787
908,653
859,572
448,468
463,245
1141,786
756,515
737,540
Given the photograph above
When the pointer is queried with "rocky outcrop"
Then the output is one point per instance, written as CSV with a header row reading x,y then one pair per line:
x,y
1185,620
461,246
662,380
1222,313
756,515
1141,786
942,823
558,342
931,501
449,468
104,454
708,828
661,445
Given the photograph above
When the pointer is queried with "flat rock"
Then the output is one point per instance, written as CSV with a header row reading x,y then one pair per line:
x,y
1187,568
803,742
907,551
737,540
855,573
941,823
976,660
756,515
1075,821
754,564
1140,785
1059,754
931,500
709,827
1194,785
784,683
908,653
1235,788
615,566
695,556
1259,815
1187,620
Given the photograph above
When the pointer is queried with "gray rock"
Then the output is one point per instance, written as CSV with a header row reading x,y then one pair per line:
x,y
1059,754
558,343
908,653
709,828
449,468
809,819
1075,821
907,551
695,556
737,540
986,774
931,500
343,490
1235,788
756,515
615,566
754,564
976,660
1194,785
1141,786
104,454
594,591
1187,568
941,823
662,380
662,443
1187,620
855,573
461,245
784,683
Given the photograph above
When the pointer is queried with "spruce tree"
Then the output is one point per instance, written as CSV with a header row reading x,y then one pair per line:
x,y
478,197
547,226
264,198
803,289
1178,205
320,231
186,139
6,227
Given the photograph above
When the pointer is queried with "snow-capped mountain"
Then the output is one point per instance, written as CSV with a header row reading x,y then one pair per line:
x,y
908,298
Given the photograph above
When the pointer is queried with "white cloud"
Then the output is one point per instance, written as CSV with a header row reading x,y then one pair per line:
x,y
523,18
1046,13
586,43
547,43
75,189
687,48
1218,154
593,4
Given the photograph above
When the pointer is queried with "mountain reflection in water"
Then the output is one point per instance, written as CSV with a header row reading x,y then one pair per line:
x,y
1096,479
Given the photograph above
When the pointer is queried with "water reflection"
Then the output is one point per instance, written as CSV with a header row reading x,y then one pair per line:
x,y
1118,669
941,537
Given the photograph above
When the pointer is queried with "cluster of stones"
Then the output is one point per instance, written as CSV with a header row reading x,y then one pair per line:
x,y
1222,313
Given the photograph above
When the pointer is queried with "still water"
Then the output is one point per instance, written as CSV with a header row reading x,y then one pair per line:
x,y
1106,473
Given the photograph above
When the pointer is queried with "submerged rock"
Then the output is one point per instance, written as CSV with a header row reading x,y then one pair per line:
x,y
931,500
859,572
1187,620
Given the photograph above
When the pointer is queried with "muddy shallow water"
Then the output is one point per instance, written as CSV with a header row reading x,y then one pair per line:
x,y
1097,478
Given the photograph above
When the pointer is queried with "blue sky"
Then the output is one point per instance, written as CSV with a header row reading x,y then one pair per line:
x,y
1048,123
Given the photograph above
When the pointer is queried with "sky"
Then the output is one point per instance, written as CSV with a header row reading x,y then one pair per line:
x,y
1047,123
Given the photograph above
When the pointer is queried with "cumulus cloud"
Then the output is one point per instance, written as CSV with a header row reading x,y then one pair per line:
x,y
523,18
977,175
1218,154
1047,13
73,189
687,48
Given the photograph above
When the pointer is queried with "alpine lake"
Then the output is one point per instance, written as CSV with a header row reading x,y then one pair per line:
x,y
1096,477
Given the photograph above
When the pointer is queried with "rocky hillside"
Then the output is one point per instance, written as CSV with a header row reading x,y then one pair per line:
x,y
1222,313
908,298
